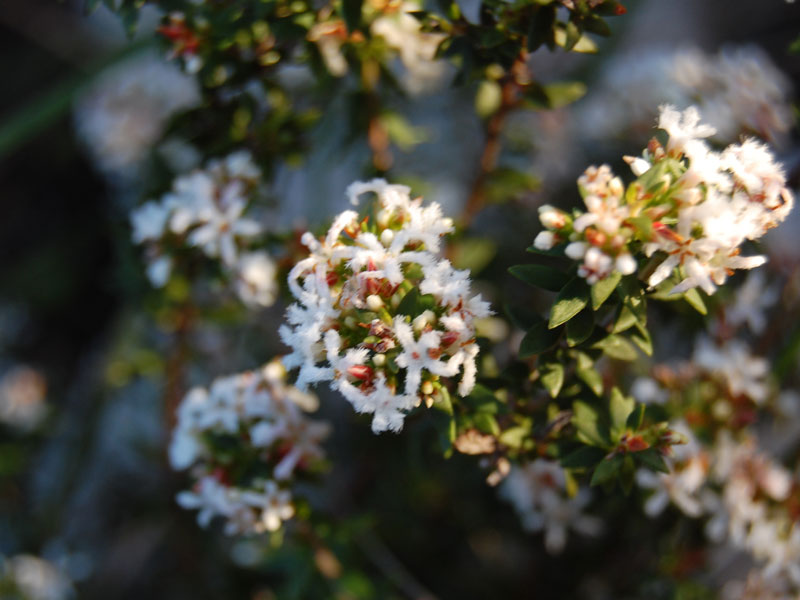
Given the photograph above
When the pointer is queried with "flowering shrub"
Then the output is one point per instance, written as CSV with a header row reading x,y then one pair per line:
x,y
612,416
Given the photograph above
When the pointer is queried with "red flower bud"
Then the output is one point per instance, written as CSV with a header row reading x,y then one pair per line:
x,y
363,372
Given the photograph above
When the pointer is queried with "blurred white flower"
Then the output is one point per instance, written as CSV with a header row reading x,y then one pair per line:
x,y
126,109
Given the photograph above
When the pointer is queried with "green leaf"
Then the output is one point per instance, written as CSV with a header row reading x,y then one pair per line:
x,y
443,402
570,301
488,98
696,301
607,470
595,24
620,407
521,317
580,327
588,374
643,227
541,27
636,417
486,423
617,347
552,378
538,339
582,458
652,459
572,37
414,304
562,93
482,399
446,430
642,339
603,289
540,276
590,428
351,13
515,437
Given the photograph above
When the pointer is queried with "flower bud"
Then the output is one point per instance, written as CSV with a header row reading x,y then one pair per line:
x,y
387,236
545,240
374,302
362,372
551,217
426,318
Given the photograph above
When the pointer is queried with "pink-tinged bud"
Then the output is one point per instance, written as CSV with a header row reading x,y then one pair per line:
x,y
552,218
636,444
331,278
596,238
372,286
449,338
361,372
665,232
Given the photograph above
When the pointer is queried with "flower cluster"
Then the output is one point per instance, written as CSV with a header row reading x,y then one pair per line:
x,y
538,492
723,383
205,209
691,209
379,313
127,108
739,90
747,496
398,29
245,438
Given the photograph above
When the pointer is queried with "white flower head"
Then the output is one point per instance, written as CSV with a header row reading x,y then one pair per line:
x,y
258,417
379,313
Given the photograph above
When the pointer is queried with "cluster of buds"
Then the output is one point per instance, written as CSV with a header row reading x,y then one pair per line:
x,y
690,207
205,209
244,439
379,314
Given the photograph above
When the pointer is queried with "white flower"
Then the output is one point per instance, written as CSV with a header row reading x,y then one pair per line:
x,y
417,49
36,578
124,112
741,372
251,411
275,505
256,283
682,127
356,271
750,302
537,491
149,221
206,209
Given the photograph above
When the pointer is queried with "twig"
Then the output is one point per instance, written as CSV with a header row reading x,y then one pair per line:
x,y
174,387
383,558
510,89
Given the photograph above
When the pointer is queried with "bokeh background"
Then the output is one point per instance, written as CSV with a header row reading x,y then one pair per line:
x,y
86,348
